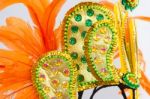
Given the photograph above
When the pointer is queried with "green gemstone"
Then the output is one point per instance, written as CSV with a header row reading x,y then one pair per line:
x,y
88,23
80,78
74,29
99,17
74,55
83,34
88,69
77,66
90,12
83,59
72,41
78,17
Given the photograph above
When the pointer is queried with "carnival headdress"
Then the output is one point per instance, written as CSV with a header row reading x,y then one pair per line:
x,y
79,55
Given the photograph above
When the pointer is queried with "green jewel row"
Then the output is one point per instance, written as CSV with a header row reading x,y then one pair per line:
x,y
73,72
109,55
128,82
84,6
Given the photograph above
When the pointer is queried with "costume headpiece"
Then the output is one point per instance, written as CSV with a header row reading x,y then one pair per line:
x,y
79,55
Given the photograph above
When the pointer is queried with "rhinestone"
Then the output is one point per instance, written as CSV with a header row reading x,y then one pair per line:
x,y
103,49
80,78
90,12
72,41
58,93
74,29
83,59
74,55
78,17
55,82
66,72
88,23
83,34
45,65
99,17
103,69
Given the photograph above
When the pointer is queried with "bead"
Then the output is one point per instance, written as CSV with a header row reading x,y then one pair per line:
x,y
88,23
72,41
45,65
99,17
58,93
103,70
66,72
74,29
80,78
74,55
55,82
83,34
90,12
83,59
58,62
65,84
78,17
46,89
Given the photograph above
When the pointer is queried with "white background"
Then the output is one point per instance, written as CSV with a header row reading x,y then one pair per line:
x,y
143,28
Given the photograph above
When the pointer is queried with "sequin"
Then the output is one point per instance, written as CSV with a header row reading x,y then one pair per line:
x,y
58,93
99,17
83,34
90,12
78,17
74,55
66,72
74,29
80,78
83,59
45,65
88,22
55,82
72,41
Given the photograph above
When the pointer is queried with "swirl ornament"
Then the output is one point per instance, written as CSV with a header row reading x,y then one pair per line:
x,y
77,22
54,76
100,44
